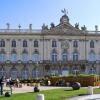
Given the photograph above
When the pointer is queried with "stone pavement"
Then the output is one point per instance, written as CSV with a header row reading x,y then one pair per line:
x,y
25,89
87,97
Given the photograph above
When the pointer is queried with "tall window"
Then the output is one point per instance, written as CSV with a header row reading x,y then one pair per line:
x,y
92,56
35,73
54,56
13,56
35,56
14,73
2,43
75,44
64,56
91,44
2,56
25,73
54,43
24,43
25,56
35,43
13,43
75,56
2,72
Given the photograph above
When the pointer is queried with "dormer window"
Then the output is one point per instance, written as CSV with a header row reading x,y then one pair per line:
x,y
75,44
24,43
91,44
2,43
54,43
35,43
13,43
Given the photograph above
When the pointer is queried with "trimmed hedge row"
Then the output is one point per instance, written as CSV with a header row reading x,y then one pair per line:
x,y
90,80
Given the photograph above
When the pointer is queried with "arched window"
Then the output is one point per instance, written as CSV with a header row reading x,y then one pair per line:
x,y
64,56
35,56
13,43
75,56
2,72
54,56
35,43
2,43
92,56
24,43
13,56
25,56
54,43
75,44
91,44
2,56
25,73
14,73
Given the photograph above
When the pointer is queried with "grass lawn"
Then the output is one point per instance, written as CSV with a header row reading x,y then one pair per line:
x,y
54,94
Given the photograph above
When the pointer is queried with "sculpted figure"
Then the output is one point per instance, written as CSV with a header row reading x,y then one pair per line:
x,y
83,28
77,25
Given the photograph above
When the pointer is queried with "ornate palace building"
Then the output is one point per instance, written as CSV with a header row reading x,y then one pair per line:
x,y
58,50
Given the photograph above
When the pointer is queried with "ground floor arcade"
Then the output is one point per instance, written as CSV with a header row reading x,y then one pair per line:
x,y
37,70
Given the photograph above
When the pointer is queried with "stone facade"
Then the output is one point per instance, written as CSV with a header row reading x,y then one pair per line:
x,y
60,50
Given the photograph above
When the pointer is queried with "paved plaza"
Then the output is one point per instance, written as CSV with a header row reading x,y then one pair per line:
x,y
88,97
25,89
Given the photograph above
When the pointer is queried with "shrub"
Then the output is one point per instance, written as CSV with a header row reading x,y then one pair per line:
x,y
76,86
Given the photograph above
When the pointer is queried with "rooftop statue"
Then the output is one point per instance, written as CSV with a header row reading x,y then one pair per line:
x,y
52,25
83,28
19,26
96,27
64,11
8,26
30,27
77,25
64,18
44,27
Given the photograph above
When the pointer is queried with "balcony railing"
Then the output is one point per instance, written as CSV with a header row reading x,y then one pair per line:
x,y
50,62
20,31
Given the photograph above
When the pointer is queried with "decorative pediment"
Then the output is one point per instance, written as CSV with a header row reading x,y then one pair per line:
x,y
64,27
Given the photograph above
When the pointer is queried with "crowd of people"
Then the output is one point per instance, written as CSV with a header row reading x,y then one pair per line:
x,y
9,82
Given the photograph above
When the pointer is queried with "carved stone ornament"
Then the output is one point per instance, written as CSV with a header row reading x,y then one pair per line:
x,y
64,45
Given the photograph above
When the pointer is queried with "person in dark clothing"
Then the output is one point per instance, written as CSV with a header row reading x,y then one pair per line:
x,y
1,85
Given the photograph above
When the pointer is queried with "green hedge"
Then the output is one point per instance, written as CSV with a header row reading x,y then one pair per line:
x,y
85,80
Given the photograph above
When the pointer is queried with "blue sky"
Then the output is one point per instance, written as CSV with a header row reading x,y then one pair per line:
x,y
37,12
